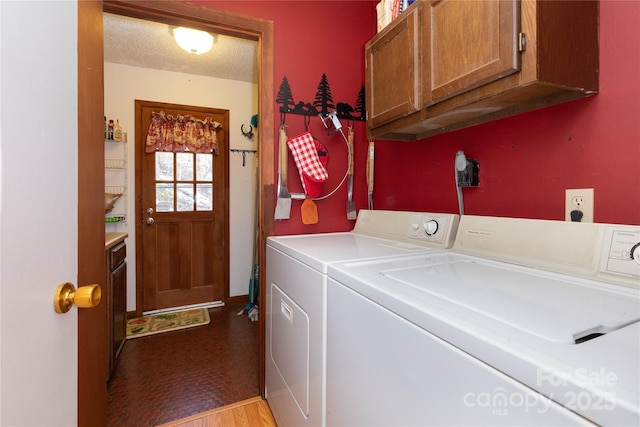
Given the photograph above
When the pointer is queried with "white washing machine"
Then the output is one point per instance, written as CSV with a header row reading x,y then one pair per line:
x,y
296,279
523,322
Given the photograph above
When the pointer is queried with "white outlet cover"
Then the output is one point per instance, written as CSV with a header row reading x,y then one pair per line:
x,y
587,207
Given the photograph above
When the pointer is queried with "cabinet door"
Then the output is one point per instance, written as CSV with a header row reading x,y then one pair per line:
x,y
393,70
116,299
468,43
119,276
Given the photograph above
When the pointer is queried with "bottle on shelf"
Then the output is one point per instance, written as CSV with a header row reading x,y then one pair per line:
x,y
110,130
117,131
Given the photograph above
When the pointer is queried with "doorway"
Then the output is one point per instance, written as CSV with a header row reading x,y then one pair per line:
x,y
185,204
261,31
135,69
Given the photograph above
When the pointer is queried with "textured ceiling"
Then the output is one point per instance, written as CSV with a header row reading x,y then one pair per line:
x,y
150,44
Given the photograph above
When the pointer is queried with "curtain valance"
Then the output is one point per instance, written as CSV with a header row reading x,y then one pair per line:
x,y
182,133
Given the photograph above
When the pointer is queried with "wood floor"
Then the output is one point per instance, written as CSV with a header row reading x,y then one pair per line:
x,y
167,377
253,412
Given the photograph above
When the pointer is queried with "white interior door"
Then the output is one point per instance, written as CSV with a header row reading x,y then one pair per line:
x,y
38,211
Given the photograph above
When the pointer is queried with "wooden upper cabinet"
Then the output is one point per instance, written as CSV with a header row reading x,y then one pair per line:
x,y
468,44
472,61
394,70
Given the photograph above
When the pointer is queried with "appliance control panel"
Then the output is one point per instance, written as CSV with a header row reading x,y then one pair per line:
x,y
621,251
428,227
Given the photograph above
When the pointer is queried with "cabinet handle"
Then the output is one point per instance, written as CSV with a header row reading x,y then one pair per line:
x,y
522,42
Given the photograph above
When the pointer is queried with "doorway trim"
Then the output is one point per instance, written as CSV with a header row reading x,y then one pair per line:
x,y
235,25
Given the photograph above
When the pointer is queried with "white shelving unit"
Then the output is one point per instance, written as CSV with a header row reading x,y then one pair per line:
x,y
116,179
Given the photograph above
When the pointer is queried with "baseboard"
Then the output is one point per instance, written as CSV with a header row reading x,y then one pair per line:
x,y
238,299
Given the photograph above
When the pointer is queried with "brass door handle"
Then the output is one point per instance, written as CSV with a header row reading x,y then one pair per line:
x,y
84,297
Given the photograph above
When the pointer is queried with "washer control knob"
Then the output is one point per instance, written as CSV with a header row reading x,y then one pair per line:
x,y
430,227
415,226
635,252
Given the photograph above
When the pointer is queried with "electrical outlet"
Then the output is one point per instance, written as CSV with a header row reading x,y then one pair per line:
x,y
579,200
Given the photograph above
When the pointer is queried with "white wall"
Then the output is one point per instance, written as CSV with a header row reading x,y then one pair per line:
x,y
124,84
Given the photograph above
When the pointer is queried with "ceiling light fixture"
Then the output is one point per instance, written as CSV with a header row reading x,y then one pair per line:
x,y
193,41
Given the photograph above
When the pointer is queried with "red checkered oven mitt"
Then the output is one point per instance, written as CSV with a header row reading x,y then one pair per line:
x,y
310,166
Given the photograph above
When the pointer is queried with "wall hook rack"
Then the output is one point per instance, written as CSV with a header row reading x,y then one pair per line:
x,y
322,104
244,154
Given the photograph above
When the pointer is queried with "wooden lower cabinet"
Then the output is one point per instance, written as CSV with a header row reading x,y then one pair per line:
x,y
116,298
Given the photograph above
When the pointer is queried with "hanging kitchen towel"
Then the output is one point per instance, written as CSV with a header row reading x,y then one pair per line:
x,y
310,167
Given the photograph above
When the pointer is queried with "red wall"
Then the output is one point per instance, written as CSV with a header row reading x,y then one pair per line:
x,y
526,161
312,38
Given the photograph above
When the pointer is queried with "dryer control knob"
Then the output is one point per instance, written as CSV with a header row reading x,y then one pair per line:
x,y
635,252
430,227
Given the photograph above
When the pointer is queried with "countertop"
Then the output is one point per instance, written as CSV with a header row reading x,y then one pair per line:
x,y
112,239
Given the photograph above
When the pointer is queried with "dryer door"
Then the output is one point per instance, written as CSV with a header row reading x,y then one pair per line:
x,y
290,346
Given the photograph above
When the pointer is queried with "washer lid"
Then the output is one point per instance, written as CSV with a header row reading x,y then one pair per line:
x,y
554,307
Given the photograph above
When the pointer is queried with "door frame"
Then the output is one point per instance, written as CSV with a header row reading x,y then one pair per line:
x,y
245,27
92,357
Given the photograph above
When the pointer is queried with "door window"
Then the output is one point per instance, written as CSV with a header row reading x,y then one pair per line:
x,y
184,182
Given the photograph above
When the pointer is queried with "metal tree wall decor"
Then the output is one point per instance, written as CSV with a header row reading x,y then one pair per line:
x,y
323,103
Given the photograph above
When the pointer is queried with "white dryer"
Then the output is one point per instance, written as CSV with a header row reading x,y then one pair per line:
x,y
296,276
523,322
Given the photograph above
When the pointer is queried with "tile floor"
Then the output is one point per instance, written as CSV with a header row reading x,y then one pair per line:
x,y
169,376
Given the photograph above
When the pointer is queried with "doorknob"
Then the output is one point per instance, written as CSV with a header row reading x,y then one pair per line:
x,y
150,221
84,297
